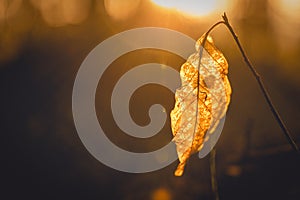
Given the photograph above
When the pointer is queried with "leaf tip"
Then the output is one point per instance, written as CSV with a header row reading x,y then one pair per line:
x,y
178,173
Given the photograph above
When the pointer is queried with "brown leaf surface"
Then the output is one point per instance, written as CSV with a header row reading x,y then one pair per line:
x,y
199,106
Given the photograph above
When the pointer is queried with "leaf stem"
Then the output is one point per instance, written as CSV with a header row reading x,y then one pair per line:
x,y
212,158
262,87
259,81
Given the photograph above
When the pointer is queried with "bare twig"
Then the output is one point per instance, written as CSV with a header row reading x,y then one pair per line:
x,y
259,81
213,173
262,87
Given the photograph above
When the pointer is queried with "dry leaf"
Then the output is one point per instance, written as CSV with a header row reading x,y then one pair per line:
x,y
197,114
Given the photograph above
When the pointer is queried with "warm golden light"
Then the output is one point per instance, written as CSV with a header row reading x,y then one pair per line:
x,y
285,15
161,194
60,13
200,102
120,9
289,8
9,8
194,7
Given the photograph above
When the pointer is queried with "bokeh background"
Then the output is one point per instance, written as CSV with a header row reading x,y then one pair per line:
x,y
42,45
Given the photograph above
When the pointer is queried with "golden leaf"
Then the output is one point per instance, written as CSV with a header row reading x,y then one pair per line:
x,y
201,101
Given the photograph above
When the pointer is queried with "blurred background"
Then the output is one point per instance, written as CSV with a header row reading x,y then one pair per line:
x,y
42,45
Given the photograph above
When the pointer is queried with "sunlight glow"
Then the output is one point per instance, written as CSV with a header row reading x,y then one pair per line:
x,y
194,7
120,9
161,194
61,13
290,8
285,15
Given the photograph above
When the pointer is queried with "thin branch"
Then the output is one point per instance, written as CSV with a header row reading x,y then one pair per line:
x,y
213,174
258,79
262,87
